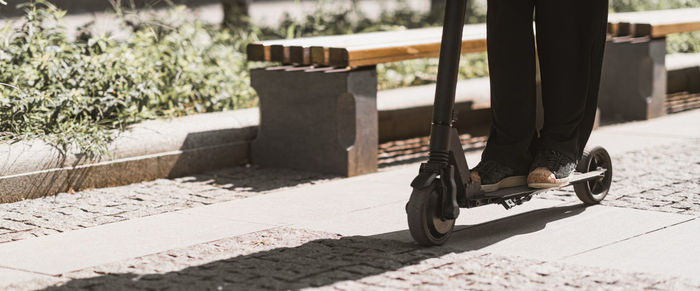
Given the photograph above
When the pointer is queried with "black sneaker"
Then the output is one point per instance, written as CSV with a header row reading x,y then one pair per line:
x,y
494,176
550,169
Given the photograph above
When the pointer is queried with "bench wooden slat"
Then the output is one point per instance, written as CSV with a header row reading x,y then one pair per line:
x,y
320,52
299,55
320,55
304,54
656,23
315,50
425,34
263,50
257,51
260,51
376,54
473,40
280,50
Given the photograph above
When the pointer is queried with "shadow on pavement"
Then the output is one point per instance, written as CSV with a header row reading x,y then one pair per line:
x,y
324,262
257,179
478,236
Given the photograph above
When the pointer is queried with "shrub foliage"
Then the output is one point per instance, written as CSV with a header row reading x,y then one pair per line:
x,y
76,93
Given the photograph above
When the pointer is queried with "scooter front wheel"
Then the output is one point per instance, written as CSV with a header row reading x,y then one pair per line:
x,y
425,223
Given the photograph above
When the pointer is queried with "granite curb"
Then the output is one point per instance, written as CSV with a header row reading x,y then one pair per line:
x,y
149,150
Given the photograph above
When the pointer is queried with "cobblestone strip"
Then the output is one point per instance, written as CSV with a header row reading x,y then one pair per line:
x,y
284,259
70,211
665,178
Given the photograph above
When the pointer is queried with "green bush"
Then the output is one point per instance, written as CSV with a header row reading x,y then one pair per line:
x,y
683,43
424,71
641,5
78,93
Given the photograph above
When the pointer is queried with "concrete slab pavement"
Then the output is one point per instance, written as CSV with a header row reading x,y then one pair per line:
x,y
373,205
10,276
540,229
673,250
75,250
558,232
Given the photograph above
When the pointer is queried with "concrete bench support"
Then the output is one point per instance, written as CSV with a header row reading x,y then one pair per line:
x,y
685,79
317,120
633,84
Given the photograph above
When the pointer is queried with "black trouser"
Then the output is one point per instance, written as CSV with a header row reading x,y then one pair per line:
x,y
570,44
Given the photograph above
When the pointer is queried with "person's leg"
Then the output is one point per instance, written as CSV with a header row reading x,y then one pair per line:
x,y
570,43
598,49
511,55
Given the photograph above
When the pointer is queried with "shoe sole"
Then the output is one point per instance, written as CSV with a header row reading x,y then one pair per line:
x,y
559,183
513,181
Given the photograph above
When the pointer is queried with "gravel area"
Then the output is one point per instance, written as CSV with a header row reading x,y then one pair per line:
x,y
70,211
665,178
292,259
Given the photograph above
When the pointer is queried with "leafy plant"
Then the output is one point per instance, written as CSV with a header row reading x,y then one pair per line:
x,y
77,95
641,5
424,71
683,43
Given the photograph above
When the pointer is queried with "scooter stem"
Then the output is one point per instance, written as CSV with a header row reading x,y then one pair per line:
x,y
448,69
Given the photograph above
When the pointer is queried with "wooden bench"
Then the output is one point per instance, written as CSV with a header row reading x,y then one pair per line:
x,y
319,111
655,23
634,79
365,49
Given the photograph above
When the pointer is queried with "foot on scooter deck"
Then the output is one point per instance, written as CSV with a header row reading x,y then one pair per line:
x,y
511,197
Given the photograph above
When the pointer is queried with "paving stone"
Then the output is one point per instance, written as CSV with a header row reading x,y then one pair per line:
x,y
71,211
661,178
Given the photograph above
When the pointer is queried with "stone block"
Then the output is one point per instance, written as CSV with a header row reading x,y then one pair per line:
x,y
317,120
633,84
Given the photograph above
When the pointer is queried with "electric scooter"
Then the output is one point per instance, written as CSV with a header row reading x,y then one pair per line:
x,y
444,185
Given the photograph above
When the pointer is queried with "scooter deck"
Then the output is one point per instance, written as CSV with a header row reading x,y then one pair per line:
x,y
517,195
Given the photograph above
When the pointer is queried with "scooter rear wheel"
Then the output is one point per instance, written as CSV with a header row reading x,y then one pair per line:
x,y
424,220
593,191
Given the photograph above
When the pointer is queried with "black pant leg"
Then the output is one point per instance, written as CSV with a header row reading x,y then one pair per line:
x,y
570,43
600,15
511,55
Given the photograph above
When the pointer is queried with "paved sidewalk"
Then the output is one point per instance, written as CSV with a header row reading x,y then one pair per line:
x,y
285,259
275,229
